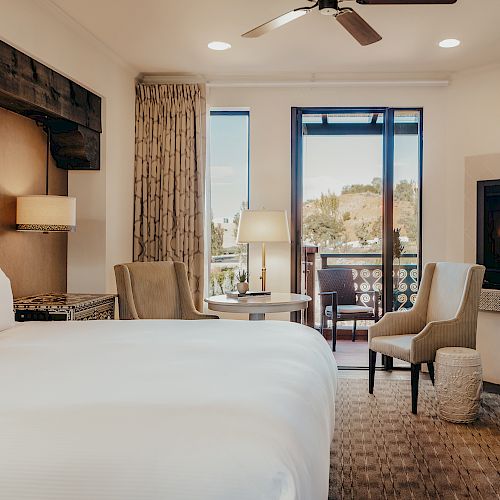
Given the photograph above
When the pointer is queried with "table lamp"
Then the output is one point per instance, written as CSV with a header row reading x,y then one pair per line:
x,y
46,213
263,226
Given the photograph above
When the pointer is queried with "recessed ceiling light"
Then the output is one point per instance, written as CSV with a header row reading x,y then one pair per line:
x,y
219,45
449,43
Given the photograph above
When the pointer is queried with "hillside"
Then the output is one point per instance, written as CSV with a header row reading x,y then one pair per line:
x,y
357,221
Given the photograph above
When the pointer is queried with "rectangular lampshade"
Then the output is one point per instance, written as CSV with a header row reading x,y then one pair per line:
x,y
46,213
263,226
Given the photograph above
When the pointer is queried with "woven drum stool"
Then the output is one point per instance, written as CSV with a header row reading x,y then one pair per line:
x,y
459,381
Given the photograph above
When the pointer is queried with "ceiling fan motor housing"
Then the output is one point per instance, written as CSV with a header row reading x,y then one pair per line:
x,y
328,7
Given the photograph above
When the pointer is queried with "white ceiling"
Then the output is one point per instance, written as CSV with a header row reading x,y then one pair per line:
x,y
166,36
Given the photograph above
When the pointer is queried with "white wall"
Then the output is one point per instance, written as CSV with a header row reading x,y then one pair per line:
x,y
474,154
104,198
460,120
270,152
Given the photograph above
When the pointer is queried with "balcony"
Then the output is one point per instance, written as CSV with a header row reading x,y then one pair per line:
x,y
368,275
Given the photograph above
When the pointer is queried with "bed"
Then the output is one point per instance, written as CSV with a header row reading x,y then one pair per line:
x,y
212,410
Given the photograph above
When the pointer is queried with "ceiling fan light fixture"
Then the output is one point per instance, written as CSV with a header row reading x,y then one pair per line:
x,y
219,45
449,43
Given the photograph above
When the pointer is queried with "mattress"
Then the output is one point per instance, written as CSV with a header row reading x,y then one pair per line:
x,y
212,410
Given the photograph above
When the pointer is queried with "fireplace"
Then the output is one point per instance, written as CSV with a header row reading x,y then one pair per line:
x,y
488,231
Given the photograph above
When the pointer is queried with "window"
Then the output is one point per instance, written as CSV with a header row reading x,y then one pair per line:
x,y
228,162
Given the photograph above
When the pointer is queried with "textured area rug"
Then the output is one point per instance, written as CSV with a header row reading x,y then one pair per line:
x,y
381,450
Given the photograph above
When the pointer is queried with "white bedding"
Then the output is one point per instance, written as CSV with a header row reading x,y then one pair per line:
x,y
177,410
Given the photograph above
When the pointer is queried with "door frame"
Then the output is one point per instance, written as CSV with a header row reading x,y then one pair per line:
x,y
387,192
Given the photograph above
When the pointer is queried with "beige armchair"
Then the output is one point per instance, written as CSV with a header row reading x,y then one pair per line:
x,y
444,315
155,290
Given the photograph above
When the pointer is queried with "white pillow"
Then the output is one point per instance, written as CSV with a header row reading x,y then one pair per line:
x,y
6,303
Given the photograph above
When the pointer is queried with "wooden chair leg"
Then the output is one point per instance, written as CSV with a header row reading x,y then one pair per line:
x,y
415,372
430,367
372,360
354,331
334,335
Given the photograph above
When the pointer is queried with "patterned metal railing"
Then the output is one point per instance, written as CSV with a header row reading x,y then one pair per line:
x,y
368,277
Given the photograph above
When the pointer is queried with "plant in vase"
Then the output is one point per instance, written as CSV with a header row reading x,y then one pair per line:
x,y
242,284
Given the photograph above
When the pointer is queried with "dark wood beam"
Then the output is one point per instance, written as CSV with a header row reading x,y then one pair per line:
x,y
73,113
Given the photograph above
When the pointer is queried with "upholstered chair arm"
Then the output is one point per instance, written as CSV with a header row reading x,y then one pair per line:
x,y
126,305
437,334
459,331
198,315
188,309
397,323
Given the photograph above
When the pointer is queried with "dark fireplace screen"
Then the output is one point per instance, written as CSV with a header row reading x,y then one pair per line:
x,y
488,231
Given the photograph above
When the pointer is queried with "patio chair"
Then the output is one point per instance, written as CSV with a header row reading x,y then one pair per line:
x,y
340,301
444,315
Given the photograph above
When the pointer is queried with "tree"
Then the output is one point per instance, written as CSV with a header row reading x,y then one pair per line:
x,y
362,232
216,239
375,187
236,218
406,191
324,225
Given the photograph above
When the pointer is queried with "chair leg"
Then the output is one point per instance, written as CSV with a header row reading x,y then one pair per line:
x,y
322,327
354,331
415,372
388,363
430,367
372,360
334,335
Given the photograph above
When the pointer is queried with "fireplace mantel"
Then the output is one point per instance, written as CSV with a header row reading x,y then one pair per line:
x,y
72,113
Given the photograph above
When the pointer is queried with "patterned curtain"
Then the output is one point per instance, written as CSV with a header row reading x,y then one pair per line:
x,y
169,177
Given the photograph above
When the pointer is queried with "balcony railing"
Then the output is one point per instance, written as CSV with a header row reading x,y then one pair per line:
x,y
368,277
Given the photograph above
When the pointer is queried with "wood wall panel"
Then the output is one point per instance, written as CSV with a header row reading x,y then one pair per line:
x,y
34,262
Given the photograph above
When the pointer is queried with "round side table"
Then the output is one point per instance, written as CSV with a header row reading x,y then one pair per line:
x,y
257,307
459,380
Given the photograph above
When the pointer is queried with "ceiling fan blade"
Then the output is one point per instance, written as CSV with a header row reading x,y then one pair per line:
x,y
278,22
405,2
357,27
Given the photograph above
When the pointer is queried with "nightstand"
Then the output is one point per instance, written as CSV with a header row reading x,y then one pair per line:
x,y
65,307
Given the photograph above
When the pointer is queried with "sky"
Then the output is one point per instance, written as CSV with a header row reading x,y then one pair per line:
x,y
330,162
228,155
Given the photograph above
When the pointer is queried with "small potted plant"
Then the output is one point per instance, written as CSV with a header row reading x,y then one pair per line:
x,y
242,285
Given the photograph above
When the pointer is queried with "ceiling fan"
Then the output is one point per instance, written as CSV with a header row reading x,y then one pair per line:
x,y
346,16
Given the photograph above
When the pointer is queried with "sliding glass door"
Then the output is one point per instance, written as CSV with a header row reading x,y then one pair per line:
x,y
356,178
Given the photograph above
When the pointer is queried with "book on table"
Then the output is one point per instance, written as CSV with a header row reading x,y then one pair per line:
x,y
237,295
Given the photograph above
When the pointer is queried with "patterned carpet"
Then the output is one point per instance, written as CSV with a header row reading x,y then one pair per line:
x,y
380,450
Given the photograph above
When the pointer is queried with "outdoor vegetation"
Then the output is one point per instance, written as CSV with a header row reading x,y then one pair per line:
x,y
352,221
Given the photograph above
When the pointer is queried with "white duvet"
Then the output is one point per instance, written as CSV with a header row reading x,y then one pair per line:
x,y
171,410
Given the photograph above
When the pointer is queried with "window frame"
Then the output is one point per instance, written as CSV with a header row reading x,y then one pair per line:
x,y
221,111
